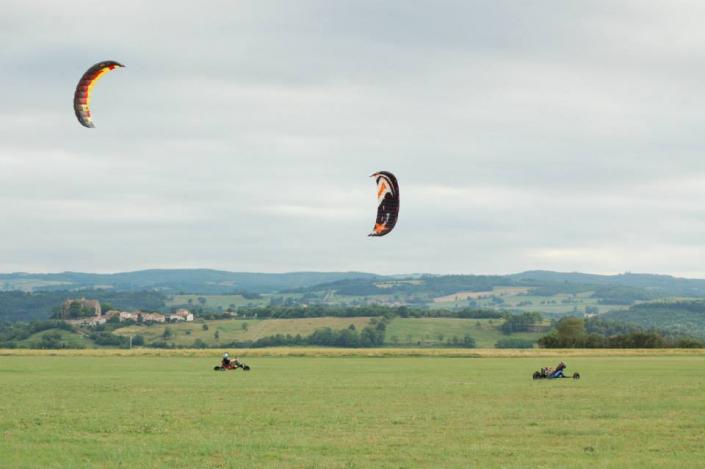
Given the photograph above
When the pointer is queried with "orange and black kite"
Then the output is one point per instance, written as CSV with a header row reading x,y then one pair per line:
x,y
82,97
388,199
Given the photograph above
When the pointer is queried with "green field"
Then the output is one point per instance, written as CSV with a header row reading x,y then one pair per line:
x,y
73,340
424,332
80,411
406,332
437,331
230,330
513,298
555,305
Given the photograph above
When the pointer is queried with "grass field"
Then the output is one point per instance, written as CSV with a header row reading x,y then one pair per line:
x,y
436,331
75,410
230,330
517,299
70,338
423,332
465,295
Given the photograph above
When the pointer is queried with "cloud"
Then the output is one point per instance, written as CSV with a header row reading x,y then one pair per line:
x,y
241,136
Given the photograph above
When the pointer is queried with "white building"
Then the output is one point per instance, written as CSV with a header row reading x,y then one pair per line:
x,y
156,317
182,315
127,316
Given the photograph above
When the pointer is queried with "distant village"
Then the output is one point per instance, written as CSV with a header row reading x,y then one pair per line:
x,y
90,314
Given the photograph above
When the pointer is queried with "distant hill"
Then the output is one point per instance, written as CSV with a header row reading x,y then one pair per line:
x,y
203,281
681,317
208,281
661,283
554,294
624,288
423,285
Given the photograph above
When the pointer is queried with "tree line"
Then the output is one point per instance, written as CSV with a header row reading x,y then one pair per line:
x,y
573,332
373,310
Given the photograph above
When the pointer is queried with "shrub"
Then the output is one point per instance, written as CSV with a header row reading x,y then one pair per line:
x,y
688,343
109,339
519,322
468,342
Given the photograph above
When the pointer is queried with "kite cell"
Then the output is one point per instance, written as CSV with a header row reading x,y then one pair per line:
x,y
388,200
82,97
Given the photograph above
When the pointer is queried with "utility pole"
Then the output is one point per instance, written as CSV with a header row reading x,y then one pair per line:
x,y
130,342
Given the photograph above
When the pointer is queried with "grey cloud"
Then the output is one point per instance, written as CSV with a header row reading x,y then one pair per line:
x,y
240,136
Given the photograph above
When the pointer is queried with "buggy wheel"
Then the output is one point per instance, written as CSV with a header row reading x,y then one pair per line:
x,y
537,375
576,375
246,368
216,368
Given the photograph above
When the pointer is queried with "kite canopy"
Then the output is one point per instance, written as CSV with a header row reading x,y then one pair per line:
x,y
82,97
388,199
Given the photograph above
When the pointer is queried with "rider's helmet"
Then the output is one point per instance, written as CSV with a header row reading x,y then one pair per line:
x,y
225,355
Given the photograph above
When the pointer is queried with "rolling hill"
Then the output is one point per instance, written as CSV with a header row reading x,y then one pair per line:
x,y
205,281
685,317
625,297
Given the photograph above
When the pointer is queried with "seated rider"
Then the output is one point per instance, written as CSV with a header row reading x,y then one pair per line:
x,y
226,360
558,372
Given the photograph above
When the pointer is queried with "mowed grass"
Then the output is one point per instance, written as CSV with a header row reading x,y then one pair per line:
x,y
230,330
78,411
436,331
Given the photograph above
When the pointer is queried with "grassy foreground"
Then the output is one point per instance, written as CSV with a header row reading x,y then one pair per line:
x,y
334,352
76,410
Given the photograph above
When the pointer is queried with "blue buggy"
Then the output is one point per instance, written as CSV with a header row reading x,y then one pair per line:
x,y
553,373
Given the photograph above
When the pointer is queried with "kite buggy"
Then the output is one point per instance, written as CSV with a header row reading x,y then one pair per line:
x,y
553,373
227,364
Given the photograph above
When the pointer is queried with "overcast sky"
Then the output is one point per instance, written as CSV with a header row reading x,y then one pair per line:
x,y
524,134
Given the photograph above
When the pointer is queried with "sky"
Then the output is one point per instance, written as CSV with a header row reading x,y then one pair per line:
x,y
241,135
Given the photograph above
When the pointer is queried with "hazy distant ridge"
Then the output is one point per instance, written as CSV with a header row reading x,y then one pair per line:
x,y
209,281
175,280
